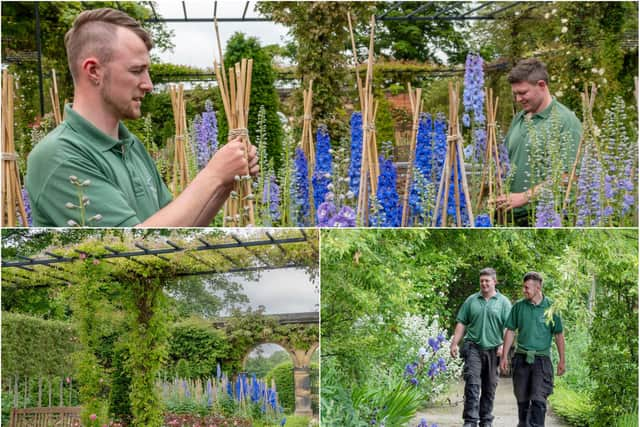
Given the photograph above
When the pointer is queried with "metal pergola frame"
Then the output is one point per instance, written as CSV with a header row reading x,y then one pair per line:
x,y
55,262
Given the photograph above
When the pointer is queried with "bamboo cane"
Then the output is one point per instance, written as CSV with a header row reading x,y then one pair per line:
x,y
55,99
11,186
416,109
588,100
180,166
307,144
235,91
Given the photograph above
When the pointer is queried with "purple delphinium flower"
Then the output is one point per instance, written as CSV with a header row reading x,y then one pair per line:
x,y
387,195
323,169
589,195
434,343
356,152
206,130
546,215
27,207
346,217
271,193
325,212
483,220
301,185
473,94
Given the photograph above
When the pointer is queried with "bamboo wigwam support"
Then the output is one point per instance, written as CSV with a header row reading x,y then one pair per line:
x,y
492,172
11,187
454,161
416,108
55,98
370,168
235,91
180,164
588,100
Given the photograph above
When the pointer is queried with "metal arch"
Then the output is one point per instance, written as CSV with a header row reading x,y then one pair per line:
x,y
213,18
440,13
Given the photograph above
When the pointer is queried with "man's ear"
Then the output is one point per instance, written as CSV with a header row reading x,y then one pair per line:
x,y
541,84
92,69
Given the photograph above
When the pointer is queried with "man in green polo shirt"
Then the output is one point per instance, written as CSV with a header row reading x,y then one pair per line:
x,y
536,323
91,170
543,132
481,321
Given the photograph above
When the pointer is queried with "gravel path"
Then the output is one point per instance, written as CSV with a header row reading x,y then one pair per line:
x,y
449,413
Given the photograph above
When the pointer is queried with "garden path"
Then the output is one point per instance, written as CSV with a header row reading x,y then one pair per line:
x,y
449,413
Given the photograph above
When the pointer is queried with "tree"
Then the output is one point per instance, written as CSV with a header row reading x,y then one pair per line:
x,y
263,93
421,40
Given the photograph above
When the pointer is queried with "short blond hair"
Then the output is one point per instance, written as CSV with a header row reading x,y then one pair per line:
x,y
94,32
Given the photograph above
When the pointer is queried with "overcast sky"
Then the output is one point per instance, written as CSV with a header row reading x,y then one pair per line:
x,y
195,43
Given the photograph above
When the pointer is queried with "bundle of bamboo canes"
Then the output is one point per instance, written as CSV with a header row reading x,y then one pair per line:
x,y
180,164
492,171
11,187
235,93
307,144
55,99
370,168
416,108
454,161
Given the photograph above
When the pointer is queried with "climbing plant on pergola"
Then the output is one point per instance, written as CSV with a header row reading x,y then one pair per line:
x,y
117,273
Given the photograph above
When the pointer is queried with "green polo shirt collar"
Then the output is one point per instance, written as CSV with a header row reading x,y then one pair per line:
x,y
94,137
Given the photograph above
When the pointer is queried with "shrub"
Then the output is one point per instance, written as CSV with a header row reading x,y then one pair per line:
x,y
572,406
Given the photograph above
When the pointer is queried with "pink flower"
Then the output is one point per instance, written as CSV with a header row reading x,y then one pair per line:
x,y
68,380
93,417
96,261
83,255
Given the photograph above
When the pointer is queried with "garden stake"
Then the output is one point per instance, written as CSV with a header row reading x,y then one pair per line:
x,y
11,187
180,167
235,92
308,147
355,63
492,165
453,159
55,99
369,164
416,109
588,101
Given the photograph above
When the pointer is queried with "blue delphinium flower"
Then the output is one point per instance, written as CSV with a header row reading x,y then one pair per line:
x,y
422,163
356,152
589,197
206,130
301,184
434,343
271,193
503,156
283,421
323,169
473,94
483,220
546,215
209,394
387,195
27,207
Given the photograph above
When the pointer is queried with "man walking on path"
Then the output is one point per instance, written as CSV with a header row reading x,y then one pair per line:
x,y
536,324
481,320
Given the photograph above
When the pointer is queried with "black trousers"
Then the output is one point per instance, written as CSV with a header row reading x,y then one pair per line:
x,y
532,384
480,374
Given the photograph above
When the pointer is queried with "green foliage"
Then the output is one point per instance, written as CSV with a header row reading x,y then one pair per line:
x,y
283,376
572,406
261,365
119,403
36,347
195,348
263,93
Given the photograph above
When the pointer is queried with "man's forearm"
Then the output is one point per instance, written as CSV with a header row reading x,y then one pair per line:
x,y
508,340
196,206
560,345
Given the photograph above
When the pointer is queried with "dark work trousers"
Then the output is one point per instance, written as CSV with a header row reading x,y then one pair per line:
x,y
481,378
532,384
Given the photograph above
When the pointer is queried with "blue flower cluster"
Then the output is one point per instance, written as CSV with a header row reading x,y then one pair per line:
x,y
271,195
324,168
483,221
206,132
588,201
423,423
431,149
546,215
301,188
437,367
390,213
356,152
473,94
329,216
255,391
27,207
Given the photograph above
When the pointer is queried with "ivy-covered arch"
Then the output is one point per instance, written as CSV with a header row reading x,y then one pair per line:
x,y
122,275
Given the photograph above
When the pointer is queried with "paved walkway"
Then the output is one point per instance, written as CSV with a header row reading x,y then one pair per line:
x,y
449,413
